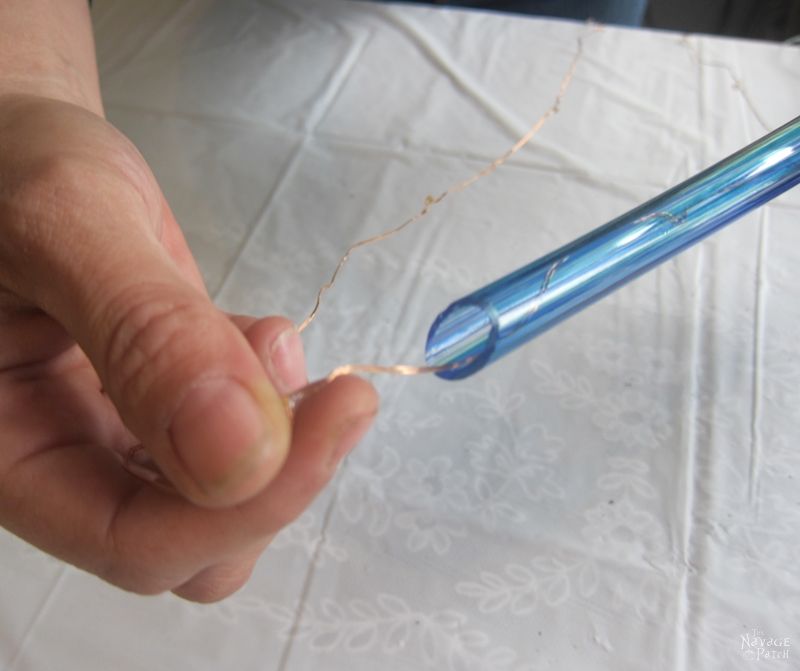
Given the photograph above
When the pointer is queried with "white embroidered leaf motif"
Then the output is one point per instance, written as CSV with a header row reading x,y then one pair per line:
x,y
499,658
573,392
492,592
396,637
521,574
326,639
364,610
556,589
332,610
473,639
361,637
524,602
448,620
429,648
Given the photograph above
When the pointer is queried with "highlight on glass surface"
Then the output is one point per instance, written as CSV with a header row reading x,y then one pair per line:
x,y
507,313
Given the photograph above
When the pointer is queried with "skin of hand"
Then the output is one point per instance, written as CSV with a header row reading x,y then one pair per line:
x,y
108,340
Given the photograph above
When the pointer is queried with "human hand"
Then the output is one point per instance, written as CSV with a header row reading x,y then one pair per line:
x,y
107,341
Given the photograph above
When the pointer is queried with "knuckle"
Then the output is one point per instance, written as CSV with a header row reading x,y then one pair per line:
x,y
216,583
206,593
152,342
31,202
127,564
54,175
51,201
132,574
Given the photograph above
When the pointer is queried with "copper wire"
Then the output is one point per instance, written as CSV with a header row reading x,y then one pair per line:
x,y
292,400
429,204
432,201
736,82
139,463
400,369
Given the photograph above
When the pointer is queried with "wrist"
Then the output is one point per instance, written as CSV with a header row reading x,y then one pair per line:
x,y
52,86
47,51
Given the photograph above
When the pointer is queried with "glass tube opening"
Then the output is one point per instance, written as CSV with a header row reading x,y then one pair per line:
x,y
464,332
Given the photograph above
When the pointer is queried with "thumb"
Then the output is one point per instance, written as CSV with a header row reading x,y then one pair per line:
x,y
183,378
83,223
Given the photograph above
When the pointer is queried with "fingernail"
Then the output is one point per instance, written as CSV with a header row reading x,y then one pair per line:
x,y
349,434
287,362
220,435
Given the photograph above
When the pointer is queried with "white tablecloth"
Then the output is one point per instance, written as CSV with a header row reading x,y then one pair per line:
x,y
623,493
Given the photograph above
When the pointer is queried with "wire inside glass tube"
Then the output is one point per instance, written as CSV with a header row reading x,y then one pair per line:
x,y
500,317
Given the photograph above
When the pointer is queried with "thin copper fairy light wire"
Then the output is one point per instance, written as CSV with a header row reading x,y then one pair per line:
x,y
292,400
138,462
738,84
432,201
399,369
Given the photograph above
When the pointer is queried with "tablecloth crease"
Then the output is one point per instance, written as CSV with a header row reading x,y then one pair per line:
x,y
620,494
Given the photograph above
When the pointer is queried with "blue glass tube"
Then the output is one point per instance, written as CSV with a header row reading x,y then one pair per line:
x,y
498,318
